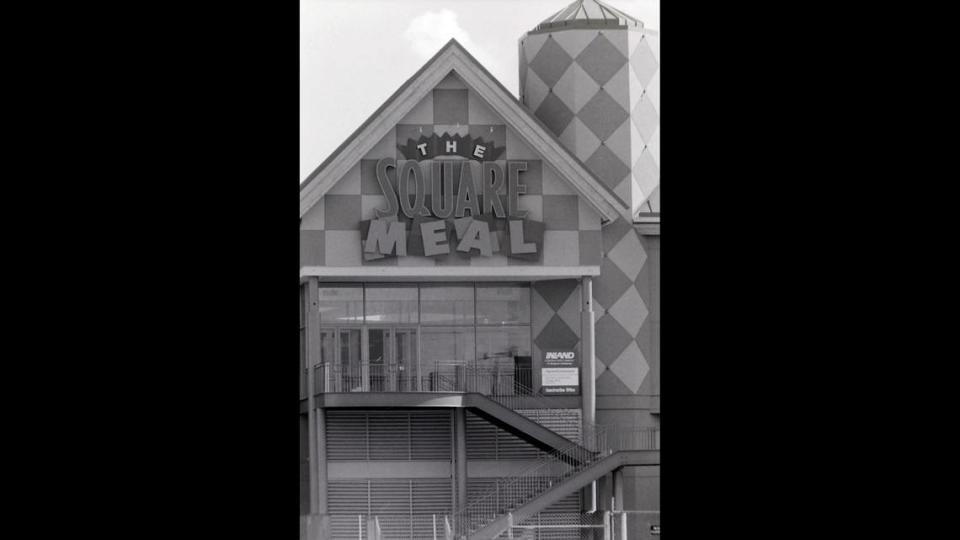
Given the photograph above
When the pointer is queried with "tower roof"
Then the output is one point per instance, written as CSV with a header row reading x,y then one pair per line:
x,y
588,14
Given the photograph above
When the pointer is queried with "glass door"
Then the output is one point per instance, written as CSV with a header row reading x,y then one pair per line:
x,y
381,366
353,371
328,372
407,374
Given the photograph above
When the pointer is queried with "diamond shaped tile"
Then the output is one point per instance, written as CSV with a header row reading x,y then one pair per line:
x,y
540,313
551,62
602,115
654,200
620,141
601,59
598,310
619,87
653,146
608,384
607,166
631,367
636,89
575,41
532,44
628,255
534,92
610,339
613,233
653,40
575,88
570,311
653,91
646,173
630,311
554,114
637,195
600,367
619,39
612,283
643,63
624,190
556,335
646,118
580,139
556,292
637,144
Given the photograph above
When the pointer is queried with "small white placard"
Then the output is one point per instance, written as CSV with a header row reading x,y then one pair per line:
x,y
565,376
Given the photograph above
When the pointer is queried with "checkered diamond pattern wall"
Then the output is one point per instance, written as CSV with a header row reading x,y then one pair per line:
x,y
598,90
622,300
622,304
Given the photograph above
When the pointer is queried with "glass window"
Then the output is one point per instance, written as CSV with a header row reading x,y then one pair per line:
x,y
442,349
446,305
497,347
393,304
503,305
341,305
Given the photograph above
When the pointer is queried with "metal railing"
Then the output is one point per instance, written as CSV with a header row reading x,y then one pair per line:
x,y
510,387
374,377
508,494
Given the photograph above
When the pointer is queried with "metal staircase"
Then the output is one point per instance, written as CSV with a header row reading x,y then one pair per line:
x,y
566,465
555,476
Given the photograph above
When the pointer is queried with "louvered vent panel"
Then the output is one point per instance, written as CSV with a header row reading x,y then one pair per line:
x,y
481,438
389,497
389,435
569,505
509,446
431,435
390,503
346,435
565,422
431,497
346,501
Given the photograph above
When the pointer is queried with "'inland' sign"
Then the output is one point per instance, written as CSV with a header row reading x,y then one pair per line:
x,y
429,223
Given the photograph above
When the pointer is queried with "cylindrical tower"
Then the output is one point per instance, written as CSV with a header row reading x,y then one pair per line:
x,y
591,74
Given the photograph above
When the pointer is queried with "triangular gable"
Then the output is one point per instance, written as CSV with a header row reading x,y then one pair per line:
x,y
453,57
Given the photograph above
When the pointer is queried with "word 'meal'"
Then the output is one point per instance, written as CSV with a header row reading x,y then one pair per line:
x,y
430,237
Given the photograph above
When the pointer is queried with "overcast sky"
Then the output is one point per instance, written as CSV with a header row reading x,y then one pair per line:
x,y
355,53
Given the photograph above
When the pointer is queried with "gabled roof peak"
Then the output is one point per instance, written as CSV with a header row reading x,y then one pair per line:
x,y
453,57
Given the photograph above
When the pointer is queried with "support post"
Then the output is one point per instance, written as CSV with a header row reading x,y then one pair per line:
x,y
621,516
589,378
460,476
313,358
588,382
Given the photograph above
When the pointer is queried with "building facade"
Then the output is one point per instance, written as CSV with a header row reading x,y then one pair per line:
x,y
479,299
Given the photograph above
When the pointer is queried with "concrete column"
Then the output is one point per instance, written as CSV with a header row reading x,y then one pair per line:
x,y
588,379
460,464
621,519
321,491
588,357
313,357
